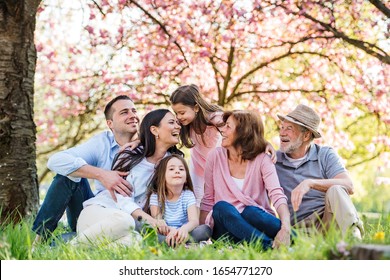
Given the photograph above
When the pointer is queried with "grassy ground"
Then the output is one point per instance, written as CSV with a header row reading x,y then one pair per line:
x,y
16,243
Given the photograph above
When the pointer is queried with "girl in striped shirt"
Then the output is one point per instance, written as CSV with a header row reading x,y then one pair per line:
x,y
171,198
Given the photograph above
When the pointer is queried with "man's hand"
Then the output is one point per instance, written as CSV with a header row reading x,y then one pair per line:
x,y
114,182
298,193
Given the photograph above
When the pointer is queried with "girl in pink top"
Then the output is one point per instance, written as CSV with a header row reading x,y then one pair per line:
x,y
199,133
200,121
240,184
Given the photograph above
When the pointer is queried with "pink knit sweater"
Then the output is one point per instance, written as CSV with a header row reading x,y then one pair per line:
x,y
261,183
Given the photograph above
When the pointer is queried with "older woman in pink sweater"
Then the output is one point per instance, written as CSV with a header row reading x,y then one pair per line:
x,y
240,183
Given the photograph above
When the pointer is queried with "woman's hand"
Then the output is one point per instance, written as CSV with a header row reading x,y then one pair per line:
x,y
282,238
269,149
162,227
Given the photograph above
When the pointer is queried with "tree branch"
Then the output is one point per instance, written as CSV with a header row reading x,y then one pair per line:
x,y
99,8
162,26
381,7
264,64
238,94
222,96
216,73
364,160
365,46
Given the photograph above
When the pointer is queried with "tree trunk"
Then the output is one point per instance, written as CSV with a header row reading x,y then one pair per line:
x,y
18,172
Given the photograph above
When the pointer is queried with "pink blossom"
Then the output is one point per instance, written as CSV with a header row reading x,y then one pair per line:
x,y
346,86
92,15
39,47
50,55
89,29
204,53
103,33
342,248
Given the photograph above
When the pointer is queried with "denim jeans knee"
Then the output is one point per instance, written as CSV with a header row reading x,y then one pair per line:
x,y
63,194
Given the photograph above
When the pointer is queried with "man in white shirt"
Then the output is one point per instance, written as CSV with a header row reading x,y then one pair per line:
x,y
90,160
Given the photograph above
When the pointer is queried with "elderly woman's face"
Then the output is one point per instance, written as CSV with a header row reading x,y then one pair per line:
x,y
228,132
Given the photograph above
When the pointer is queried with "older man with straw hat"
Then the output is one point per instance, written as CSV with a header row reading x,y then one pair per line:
x,y
313,178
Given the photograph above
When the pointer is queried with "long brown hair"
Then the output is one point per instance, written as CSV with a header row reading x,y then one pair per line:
x,y
189,95
249,133
127,159
158,184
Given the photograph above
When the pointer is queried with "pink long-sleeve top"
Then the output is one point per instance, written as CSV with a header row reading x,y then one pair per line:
x,y
261,184
211,137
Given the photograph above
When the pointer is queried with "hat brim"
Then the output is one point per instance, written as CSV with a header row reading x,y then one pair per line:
x,y
316,134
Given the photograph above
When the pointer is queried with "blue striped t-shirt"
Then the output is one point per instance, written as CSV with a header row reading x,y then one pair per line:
x,y
176,213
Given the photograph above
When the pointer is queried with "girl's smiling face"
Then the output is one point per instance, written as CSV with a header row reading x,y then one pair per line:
x,y
185,114
175,174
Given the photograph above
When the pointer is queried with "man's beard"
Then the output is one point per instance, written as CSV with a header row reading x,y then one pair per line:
x,y
292,146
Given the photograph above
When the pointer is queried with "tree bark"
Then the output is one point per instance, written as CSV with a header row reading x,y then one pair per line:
x,y
18,173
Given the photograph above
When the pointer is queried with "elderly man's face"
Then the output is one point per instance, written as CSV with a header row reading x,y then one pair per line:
x,y
291,137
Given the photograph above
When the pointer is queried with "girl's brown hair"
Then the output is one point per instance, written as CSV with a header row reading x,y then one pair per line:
x,y
189,95
158,183
249,133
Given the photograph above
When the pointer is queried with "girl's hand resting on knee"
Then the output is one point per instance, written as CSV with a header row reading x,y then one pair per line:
x,y
176,237
181,235
171,238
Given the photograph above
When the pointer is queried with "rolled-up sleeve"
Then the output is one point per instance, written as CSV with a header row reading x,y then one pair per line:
x,y
70,160
127,204
64,164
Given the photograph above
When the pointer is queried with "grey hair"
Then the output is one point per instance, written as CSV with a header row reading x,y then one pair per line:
x,y
304,129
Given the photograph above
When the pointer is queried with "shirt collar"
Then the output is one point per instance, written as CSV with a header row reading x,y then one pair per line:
x,y
311,155
113,144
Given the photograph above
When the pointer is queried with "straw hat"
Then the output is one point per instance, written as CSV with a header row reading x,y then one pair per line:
x,y
304,116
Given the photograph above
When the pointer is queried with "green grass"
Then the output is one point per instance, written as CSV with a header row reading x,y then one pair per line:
x,y
16,243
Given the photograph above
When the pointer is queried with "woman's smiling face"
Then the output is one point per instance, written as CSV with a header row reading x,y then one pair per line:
x,y
228,132
169,130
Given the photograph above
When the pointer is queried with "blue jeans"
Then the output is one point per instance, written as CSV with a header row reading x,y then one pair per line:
x,y
252,225
63,194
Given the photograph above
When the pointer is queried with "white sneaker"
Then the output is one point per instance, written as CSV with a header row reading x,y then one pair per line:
x,y
356,233
205,243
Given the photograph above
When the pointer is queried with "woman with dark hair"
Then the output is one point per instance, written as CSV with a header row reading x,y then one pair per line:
x,y
240,183
102,217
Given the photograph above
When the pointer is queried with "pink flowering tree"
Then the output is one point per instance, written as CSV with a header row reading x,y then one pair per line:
x,y
263,55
